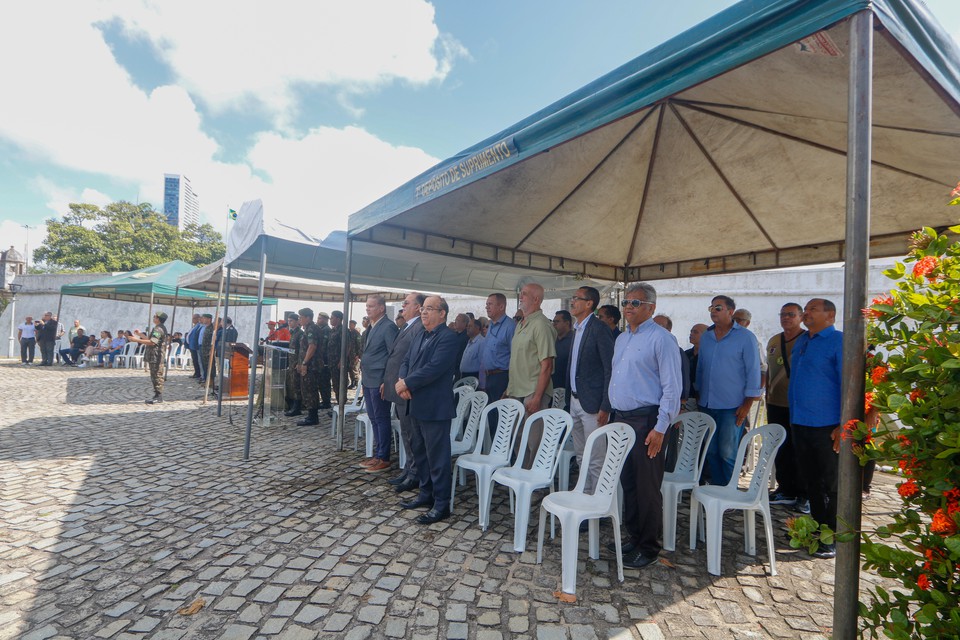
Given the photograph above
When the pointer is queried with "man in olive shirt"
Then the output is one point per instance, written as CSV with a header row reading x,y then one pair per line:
x,y
532,353
790,489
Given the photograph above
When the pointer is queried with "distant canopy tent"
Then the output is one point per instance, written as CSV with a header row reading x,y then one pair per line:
x,y
777,133
721,150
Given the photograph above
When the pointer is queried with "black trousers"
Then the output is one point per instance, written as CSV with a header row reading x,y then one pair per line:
x,y
431,450
323,382
27,349
496,387
46,351
641,479
820,470
789,481
195,359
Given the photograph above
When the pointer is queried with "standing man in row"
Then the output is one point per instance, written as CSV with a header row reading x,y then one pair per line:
x,y
728,380
588,382
354,360
311,360
47,338
563,325
426,377
376,351
209,369
294,397
323,373
193,344
411,305
645,388
470,362
332,359
495,352
532,352
27,337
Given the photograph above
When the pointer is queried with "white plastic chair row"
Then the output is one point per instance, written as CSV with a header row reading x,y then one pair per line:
x,y
696,431
356,406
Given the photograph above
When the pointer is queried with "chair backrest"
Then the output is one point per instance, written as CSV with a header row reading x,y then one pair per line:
x,y
509,414
559,398
358,397
620,439
128,349
467,381
557,425
476,402
696,431
456,425
772,436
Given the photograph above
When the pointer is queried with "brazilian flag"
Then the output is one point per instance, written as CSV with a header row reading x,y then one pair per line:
x,y
232,215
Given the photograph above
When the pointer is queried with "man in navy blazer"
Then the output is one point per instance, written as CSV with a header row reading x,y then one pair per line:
x,y
591,358
426,381
380,338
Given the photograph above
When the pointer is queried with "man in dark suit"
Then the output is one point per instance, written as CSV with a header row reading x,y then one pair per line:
x,y
193,344
426,381
591,355
407,480
380,338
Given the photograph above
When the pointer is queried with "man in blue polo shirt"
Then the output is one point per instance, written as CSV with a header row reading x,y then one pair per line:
x,y
728,379
816,365
495,352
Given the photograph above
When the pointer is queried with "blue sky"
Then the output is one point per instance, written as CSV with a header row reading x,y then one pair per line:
x,y
318,109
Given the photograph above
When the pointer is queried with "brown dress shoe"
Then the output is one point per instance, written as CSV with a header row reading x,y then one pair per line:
x,y
381,465
369,462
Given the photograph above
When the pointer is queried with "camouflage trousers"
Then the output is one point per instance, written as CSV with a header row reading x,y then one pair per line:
x,y
310,389
156,375
293,384
210,374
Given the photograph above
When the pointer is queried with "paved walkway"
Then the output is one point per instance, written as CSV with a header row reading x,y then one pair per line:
x,y
116,516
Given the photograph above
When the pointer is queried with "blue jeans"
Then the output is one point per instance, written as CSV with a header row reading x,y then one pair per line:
x,y
722,453
378,410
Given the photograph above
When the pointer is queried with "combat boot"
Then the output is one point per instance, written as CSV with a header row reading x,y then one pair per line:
x,y
311,419
156,399
294,410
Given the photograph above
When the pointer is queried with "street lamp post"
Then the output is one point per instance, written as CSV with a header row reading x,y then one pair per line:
x,y
14,289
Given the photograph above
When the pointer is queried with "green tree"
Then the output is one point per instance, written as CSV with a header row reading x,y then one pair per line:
x,y
123,237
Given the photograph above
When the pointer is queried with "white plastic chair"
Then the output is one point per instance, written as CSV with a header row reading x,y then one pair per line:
x,y
475,403
718,499
509,415
135,361
573,507
556,429
467,381
125,356
363,422
356,406
696,431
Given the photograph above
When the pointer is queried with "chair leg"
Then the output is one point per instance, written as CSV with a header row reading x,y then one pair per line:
x,y
694,519
768,530
616,542
564,481
569,546
453,484
368,437
463,477
540,528
750,532
714,537
593,538
484,496
670,497
521,520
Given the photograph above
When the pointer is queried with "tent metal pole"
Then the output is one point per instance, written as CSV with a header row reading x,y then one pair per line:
x,y
220,357
173,321
213,341
150,312
344,335
859,156
253,356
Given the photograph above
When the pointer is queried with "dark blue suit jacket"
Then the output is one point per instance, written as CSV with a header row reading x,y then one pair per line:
x,y
428,372
594,365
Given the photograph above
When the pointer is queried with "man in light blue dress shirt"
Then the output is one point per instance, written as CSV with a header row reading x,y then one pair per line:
x,y
495,352
645,387
728,379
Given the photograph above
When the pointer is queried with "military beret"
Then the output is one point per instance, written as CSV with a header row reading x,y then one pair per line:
x,y
161,315
208,315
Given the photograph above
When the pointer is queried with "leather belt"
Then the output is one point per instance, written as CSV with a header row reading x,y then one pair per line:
x,y
639,411
493,372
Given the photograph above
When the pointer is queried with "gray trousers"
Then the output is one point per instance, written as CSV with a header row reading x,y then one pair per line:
x,y
583,425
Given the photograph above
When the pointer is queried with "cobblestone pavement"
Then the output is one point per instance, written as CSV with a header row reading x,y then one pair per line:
x,y
115,516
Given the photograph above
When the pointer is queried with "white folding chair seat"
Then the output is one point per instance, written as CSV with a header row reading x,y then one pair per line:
x,y
467,381
354,407
466,443
523,482
696,431
509,415
573,507
718,499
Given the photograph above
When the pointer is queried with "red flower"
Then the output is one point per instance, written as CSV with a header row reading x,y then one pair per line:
x,y
923,582
868,401
904,441
953,495
869,313
908,489
943,524
879,374
956,191
848,428
925,266
916,394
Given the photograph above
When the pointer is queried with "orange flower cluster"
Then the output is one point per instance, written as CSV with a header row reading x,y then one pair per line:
x,y
943,524
925,266
870,313
916,394
923,582
879,374
868,398
953,500
908,489
848,428
907,465
904,441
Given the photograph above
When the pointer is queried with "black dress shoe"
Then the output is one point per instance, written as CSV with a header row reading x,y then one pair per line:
x,y
409,485
400,479
416,503
625,547
434,515
638,560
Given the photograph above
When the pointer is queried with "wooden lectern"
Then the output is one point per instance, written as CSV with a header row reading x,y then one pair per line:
x,y
239,355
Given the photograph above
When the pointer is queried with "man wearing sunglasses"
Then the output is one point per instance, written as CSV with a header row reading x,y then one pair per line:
x,y
728,379
645,386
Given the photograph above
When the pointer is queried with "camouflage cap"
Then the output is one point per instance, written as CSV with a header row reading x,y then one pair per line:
x,y
161,315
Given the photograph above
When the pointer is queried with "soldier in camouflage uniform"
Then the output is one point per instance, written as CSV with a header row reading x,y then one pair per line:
x,y
323,374
311,359
293,367
156,346
333,349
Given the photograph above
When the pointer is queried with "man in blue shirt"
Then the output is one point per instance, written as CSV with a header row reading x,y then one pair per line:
x,y
816,367
728,380
495,352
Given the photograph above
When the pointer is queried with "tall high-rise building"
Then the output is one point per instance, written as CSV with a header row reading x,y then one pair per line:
x,y
181,204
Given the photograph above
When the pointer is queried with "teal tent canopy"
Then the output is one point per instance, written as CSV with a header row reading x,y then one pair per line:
x,y
721,150
153,284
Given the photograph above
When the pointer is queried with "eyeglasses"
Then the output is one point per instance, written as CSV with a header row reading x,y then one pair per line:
x,y
633,303
431,309
581,299
717,307
791,314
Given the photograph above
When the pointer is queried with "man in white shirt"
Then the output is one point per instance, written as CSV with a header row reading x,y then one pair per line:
x,y
645,388
27,337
